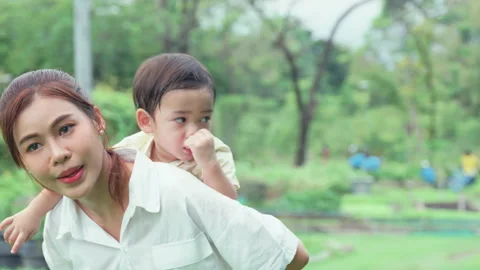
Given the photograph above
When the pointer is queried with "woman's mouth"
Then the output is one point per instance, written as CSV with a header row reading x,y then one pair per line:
x,y
71,175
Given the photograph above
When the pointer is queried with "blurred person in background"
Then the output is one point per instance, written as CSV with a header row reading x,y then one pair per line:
x,y
470,163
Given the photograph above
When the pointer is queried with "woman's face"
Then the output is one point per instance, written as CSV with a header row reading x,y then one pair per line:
x,y
60,146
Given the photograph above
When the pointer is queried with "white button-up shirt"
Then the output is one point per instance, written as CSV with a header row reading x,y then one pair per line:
x,y
173,221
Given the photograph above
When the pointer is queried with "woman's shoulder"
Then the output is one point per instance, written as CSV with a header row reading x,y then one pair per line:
x,y
60,218
161,175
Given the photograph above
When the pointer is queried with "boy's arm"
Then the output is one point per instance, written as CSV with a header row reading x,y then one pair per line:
x,y
214,177
22,226
203,150
44,202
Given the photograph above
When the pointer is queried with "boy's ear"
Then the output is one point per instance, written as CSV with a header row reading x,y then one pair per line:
x,y
145,121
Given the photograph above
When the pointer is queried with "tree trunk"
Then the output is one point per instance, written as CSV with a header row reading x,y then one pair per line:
x,y
302,139
433,102
414,131
190,22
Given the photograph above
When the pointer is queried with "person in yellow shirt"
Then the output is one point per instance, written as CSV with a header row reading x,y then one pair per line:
x,y
174,95
470,164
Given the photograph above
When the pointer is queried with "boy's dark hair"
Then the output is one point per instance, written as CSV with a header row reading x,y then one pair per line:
x,y
169,71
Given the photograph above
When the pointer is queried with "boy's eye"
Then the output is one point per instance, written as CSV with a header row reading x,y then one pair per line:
x,y
180,120
205,119
33,147
65,129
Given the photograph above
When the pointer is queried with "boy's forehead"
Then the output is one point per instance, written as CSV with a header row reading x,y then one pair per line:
x,y
192,99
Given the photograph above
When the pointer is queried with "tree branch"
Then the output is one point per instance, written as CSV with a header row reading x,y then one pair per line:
x,y
419,8
280,43
190,22
326,53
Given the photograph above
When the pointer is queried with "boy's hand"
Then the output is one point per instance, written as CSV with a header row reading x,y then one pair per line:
x,y
201,145
20,228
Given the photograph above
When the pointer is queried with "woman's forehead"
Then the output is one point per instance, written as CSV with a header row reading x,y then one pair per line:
x,y
42,113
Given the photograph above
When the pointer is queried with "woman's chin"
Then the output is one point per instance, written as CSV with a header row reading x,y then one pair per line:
x,y
78,192
75,195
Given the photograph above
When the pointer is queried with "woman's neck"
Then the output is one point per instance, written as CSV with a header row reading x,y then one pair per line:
x,y
100,206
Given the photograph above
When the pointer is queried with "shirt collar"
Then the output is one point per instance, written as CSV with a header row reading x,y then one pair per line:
x,y
69,219
144,187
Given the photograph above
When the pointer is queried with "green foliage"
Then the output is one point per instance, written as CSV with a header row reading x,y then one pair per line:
x,y
16,189
118,111
397,171
241,120
323,201
313,175
44,27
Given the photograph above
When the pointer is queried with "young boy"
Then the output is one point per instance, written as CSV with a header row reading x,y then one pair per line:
x,y
174,95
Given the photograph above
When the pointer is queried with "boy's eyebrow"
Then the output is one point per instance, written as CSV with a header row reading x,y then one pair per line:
x,y
54,123
188,111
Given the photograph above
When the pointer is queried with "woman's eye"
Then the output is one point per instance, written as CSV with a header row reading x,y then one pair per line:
x,y
180,120
33,147
65,129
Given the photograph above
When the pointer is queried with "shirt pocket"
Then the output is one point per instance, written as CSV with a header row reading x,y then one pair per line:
x,y
188,253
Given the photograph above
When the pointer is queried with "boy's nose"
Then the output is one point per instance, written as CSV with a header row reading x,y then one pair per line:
x,y
192,129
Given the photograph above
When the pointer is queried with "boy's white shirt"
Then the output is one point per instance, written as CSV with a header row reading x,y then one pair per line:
x,y
171,222
143,142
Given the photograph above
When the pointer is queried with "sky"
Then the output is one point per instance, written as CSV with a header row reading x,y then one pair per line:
x,y
320,16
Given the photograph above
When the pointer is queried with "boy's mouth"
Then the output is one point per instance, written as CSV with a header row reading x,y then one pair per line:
x,y
187,150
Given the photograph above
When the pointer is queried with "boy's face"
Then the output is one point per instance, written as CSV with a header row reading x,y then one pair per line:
x,y
181,114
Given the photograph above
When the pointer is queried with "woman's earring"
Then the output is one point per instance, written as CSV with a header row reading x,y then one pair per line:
x,y
102,132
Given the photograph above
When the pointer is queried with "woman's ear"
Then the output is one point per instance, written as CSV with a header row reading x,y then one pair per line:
x,y
100,122
144,121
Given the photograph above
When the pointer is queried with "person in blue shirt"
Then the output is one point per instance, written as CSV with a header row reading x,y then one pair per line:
x,y
356,160
371,163
428,173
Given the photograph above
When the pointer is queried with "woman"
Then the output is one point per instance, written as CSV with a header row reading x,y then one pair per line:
x,y
120,210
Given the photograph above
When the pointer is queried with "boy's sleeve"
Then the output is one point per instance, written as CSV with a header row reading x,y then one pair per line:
x,y
245,238
139,141
225,159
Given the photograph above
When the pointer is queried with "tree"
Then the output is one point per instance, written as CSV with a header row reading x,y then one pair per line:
x,y
305,106
182,20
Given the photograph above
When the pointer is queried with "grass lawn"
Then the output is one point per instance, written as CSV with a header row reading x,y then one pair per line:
x,y
395,252
379,204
